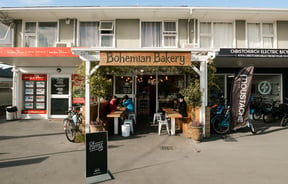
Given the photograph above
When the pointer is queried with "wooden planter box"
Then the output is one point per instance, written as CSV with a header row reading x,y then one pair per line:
x,y
189,131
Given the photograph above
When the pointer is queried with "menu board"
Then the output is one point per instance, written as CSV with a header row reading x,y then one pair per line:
x,y
59,86
34,91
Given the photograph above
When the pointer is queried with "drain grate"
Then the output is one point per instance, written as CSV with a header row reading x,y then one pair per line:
x,y
166,148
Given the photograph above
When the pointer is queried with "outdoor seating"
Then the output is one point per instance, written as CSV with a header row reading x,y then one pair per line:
x,y
132,116
163,122
157,117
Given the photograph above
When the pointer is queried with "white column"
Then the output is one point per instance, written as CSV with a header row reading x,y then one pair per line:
x,y
203,87
87,95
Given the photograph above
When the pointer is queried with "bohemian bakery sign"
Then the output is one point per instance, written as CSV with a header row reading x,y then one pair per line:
x,y
145,58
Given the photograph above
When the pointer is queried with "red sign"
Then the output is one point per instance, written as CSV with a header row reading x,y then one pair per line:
x,y
34,111
78,100
37,77
36,52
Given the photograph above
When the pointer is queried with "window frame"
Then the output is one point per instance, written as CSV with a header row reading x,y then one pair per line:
x,y
102,32
163,33
169,34
8,36
36,33
262,35
211,35
111,33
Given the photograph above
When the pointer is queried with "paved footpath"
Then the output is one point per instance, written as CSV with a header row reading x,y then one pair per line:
x,y
36,151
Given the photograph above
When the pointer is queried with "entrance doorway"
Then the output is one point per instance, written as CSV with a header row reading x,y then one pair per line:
x,y
60,96
146,94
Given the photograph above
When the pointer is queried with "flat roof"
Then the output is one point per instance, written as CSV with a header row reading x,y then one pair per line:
x,y
145,12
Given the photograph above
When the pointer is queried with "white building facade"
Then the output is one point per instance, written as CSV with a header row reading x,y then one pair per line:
x,y
37,42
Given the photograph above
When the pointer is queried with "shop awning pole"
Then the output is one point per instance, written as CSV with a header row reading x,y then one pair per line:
x,y
203,73
87,93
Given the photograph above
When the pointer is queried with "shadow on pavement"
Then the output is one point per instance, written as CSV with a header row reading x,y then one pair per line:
x,y
22,162
27,136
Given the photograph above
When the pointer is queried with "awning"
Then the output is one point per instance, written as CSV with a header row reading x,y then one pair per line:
x,y
260,58
38,56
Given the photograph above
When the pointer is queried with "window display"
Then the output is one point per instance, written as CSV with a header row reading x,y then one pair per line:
x,y
34,93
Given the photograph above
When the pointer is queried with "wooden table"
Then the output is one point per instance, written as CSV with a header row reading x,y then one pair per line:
x,y
116,115
173,115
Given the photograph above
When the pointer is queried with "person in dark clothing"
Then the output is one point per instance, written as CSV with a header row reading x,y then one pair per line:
x,y
182,108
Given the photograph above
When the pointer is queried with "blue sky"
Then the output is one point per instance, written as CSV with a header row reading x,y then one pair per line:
x,y
202,3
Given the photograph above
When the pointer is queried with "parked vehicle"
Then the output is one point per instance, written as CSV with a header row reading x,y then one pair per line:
x,y
284,108
275,113
72,123
259,108
221,123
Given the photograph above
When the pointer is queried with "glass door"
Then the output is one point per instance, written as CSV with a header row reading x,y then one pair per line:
x,y
60,96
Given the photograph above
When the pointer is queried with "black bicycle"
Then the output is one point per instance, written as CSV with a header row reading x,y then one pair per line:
x,y
284,108
275,113
259,108
72,123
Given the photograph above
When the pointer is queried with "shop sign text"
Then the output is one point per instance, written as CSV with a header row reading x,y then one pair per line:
x,y
146,58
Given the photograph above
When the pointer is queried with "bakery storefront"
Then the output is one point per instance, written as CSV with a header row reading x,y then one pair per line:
x,y
149,83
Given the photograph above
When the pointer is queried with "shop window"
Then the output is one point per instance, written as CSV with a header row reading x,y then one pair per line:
x,y
266,88
216,35
260,35
40,34
169,86
95,34
35,88
123,84
159,34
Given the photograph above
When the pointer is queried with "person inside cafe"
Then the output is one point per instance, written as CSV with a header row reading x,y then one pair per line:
x,y
127,102
113,104
182,107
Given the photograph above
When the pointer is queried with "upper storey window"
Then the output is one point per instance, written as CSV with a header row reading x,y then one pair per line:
x,y
96,34
159,34
216,35
40,34
260,35
5,34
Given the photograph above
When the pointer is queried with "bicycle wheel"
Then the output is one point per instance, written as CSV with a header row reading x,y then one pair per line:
x,y
257,116
220,125
268,117
251,127
284,120
70,130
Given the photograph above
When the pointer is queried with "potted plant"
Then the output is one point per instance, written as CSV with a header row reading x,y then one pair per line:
x,y
97,126
192,95
100,88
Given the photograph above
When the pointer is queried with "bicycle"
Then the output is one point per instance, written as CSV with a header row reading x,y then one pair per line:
x,y
274,113
284,108
221,123
259,108
72,123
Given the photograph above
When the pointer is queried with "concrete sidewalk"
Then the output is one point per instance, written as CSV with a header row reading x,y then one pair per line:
x,y
37,151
